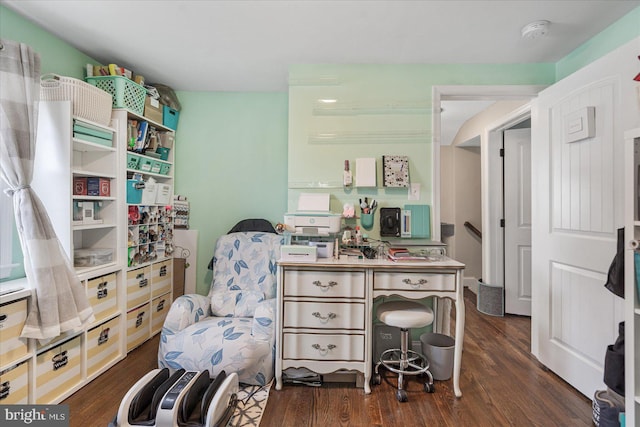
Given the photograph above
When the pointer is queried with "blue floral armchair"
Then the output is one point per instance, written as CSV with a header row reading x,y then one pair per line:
x,y
233,327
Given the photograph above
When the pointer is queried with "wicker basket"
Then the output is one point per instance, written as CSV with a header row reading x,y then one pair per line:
x,y
89,102
126,93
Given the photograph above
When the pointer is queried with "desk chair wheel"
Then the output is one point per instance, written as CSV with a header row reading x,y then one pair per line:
x,y
377,379
401,395
429,387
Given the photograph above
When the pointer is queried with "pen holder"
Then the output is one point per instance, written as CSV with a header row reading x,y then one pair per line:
x,y
366,220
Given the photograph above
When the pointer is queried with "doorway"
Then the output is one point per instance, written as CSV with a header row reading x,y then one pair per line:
x,y
492,247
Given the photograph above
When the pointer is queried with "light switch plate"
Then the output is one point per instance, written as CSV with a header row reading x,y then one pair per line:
x,y
414,191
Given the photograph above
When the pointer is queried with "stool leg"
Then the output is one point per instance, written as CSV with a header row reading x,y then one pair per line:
x,y
401,394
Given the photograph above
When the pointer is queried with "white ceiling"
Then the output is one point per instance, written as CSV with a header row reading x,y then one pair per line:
x,y
249,45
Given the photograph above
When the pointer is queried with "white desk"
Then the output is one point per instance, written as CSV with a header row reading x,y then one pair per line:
x,y
324,320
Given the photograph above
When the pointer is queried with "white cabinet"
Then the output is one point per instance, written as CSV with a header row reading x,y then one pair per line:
x,y
148,238
632,304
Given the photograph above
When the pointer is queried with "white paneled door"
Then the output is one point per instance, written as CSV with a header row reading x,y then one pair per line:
x,y
576,200
517,221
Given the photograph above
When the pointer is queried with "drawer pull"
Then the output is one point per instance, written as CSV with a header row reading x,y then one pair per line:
x,y
329,316
324,351
325,287
420,282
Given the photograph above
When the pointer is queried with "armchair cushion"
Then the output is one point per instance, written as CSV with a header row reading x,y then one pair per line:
x,y
186,310
235,303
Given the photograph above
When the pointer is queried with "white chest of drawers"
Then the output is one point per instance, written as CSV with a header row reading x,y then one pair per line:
x,y
325,310
323,318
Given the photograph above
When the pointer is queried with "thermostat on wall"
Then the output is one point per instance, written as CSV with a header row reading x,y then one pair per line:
x,y
580,124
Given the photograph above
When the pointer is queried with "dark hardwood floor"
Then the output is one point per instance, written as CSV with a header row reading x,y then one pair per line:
x,y
502,385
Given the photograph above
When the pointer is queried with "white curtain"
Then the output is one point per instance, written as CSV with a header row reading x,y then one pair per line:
x,y
60,303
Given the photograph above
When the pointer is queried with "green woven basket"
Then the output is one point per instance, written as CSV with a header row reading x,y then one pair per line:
x,y
126,93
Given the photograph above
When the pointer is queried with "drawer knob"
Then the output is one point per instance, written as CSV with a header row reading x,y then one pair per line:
x,y
323,286
329,316
417,284
324,350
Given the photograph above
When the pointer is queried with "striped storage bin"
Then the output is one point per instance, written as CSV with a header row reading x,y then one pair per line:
x,y
12,318
138,287
58,370
14,385
101,292
138,323
161,277
103,345
159,309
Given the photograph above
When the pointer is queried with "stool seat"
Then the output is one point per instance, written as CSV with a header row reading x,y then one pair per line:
x,y
405,314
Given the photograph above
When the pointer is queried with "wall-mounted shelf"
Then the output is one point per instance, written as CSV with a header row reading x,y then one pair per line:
x,y
371,137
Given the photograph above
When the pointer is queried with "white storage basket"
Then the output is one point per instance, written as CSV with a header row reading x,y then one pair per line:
x,y
89,102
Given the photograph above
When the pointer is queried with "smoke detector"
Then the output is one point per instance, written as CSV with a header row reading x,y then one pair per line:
x,y
535,30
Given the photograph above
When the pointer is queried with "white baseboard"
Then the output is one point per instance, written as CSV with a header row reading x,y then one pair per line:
x,y
471,283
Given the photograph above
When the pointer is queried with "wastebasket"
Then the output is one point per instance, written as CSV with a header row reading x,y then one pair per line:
x,y
439,350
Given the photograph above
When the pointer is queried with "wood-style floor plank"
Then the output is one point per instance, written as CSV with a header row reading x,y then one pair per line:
x,y
501,382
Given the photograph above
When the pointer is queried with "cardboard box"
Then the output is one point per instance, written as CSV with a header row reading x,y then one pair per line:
x,y
153,109
98,187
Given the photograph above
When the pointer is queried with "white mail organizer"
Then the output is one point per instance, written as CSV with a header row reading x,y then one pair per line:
x,y
161,274
159,309
163,194
103,345
14,385
58,370
101,292
12,318
138,324
138,286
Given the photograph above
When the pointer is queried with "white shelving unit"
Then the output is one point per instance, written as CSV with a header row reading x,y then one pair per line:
x,y
148,239
632,304
49,373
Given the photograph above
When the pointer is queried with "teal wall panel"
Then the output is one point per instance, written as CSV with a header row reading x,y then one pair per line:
x,y
231,163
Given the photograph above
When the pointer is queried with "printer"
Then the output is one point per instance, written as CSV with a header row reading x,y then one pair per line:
x,y
313,216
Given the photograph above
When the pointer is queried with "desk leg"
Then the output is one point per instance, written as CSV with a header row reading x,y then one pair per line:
x,y
278,376
457,360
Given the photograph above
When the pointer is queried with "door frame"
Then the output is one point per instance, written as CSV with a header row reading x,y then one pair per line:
x,y
492,205
478,93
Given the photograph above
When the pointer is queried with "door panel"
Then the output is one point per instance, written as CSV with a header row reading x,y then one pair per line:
x,y
517,215
576,207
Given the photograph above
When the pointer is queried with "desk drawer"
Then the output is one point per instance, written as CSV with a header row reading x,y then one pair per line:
x,y
414,281
330,284
323,315
323,347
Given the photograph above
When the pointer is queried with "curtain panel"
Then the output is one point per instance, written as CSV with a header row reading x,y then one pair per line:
x,y
59,303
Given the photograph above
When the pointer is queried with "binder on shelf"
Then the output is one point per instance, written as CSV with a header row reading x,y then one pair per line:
x,y
143,129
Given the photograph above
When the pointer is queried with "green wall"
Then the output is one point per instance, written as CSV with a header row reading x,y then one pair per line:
x,y
231,163
56,56
624,30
